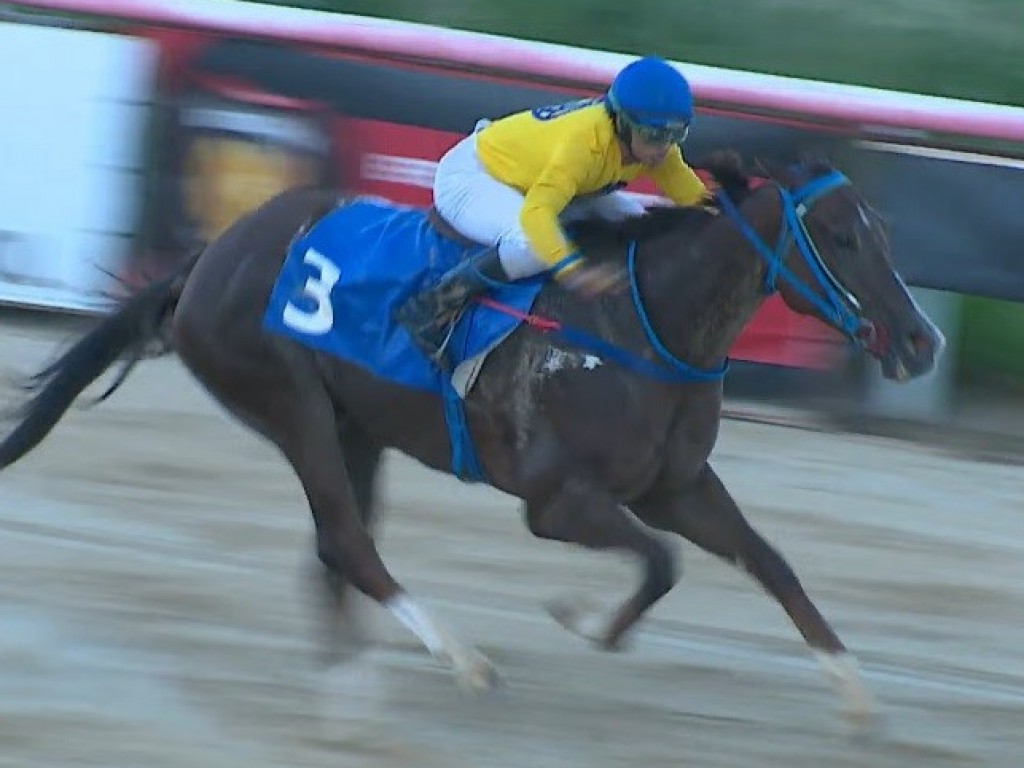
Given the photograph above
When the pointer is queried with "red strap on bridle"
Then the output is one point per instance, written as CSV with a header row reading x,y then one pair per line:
x,y
534,321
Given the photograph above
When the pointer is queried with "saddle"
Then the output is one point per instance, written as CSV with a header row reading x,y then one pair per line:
x,y
443,228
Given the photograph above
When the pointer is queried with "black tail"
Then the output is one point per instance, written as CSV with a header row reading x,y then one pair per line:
x,y
124,333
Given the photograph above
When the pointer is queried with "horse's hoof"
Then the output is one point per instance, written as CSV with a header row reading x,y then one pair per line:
x,y
617,644
475,674
860,709
582,617
865,725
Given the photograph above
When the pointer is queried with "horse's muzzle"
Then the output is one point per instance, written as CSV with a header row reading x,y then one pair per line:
x,y
908,354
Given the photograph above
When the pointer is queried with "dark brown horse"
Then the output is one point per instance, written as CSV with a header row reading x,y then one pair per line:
x,y
599,454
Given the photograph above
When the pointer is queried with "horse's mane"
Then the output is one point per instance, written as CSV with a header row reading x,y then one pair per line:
x,y
727,169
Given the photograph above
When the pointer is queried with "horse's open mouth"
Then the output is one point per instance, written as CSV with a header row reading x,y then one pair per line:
x,y
877,342
905,356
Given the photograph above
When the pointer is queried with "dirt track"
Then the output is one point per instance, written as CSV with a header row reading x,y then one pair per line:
x,y
153,613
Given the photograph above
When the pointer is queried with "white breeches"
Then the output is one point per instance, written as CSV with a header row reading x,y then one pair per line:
x,y
483,209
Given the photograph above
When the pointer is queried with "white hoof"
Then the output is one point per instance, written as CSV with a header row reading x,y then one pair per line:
x,y
859,706
581,616
474,672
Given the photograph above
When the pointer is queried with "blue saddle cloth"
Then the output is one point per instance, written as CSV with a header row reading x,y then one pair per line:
x,y
342,281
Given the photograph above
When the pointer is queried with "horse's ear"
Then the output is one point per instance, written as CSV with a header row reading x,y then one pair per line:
x,y
726,167
816,163
807,165
723,162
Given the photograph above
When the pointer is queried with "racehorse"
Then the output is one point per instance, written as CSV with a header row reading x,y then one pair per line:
x,y
599,414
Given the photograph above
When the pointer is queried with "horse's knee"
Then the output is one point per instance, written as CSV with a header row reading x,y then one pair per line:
x,y
553,521
354,559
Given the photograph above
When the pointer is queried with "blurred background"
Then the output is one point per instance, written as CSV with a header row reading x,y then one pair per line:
x,y
228,111
951,48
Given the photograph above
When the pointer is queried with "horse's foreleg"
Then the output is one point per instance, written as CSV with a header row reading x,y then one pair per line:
x,y
339,489
578,514
706,514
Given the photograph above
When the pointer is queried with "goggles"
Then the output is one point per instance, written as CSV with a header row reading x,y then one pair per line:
x,y
661,134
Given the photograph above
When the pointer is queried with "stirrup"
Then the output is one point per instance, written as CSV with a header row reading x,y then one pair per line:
x,y
440,355
431,334
431,316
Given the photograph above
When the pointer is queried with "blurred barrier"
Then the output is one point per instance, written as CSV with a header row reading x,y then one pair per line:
x,y
252,98
236,155
75,107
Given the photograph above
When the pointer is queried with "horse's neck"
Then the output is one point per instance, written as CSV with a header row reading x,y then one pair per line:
x,y
699,296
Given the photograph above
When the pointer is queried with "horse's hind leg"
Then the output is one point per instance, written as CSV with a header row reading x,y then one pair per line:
x,y
579,514
276,389
706,514
344,544
343,629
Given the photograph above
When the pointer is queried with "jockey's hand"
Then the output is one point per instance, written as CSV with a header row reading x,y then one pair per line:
x,y
594,279
710,202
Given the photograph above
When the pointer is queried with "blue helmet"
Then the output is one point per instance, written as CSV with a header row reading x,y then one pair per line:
x,y
653,97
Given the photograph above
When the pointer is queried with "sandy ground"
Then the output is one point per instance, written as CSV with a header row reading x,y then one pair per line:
x,y
153,609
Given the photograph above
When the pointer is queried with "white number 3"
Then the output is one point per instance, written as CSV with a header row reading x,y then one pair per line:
x,y
318,287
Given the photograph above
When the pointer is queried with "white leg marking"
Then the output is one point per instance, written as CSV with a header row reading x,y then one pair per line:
x,y
473,671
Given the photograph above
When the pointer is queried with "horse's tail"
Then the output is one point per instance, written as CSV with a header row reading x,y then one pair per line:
x,y
127,332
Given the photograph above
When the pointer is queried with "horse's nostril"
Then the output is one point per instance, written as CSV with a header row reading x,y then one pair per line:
x,y
918,343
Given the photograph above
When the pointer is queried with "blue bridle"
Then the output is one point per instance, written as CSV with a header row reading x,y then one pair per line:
x,y
835,303
834,307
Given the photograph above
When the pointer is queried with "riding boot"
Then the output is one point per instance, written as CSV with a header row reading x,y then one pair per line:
x,y
430,315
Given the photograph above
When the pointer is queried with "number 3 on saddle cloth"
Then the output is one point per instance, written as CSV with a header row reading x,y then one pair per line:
x,y
343,279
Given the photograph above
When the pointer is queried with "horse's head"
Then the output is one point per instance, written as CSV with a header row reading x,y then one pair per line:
x,y
832,261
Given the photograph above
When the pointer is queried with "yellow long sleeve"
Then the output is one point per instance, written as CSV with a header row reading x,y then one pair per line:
x,y
556,186
678,181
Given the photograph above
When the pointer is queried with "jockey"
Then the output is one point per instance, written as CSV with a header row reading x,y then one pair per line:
x,y
512,182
